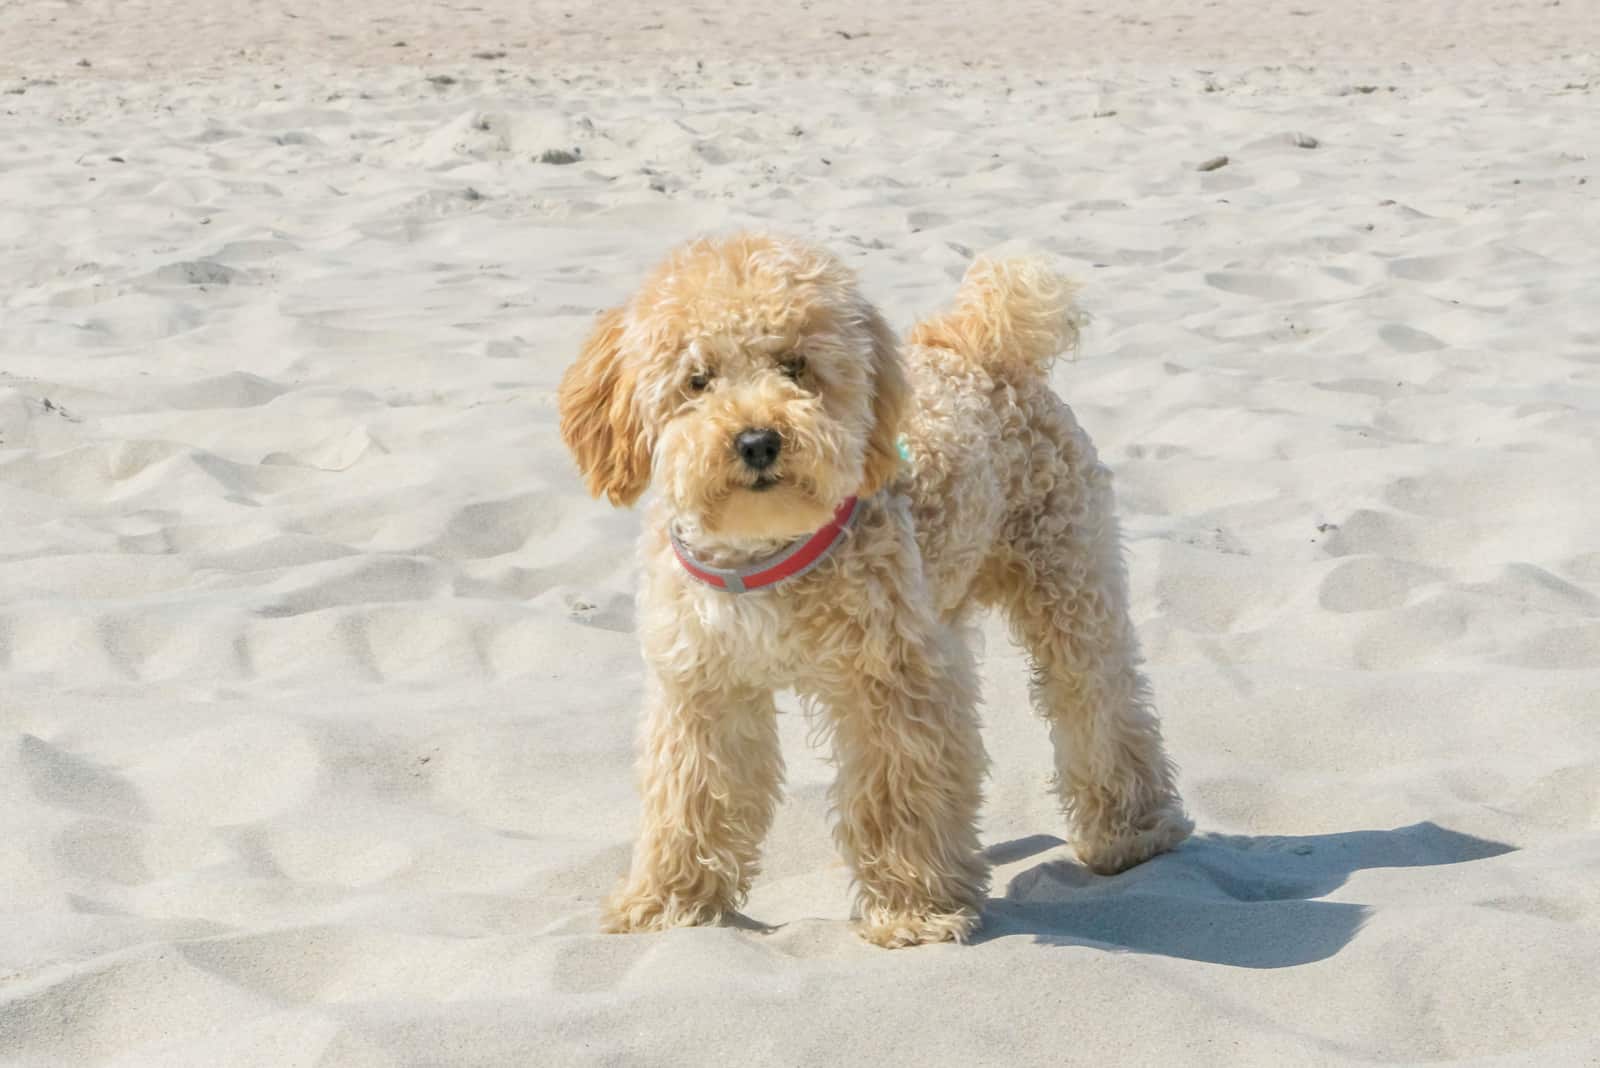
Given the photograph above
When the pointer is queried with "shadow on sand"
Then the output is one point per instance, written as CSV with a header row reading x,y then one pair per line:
x,y
1226,899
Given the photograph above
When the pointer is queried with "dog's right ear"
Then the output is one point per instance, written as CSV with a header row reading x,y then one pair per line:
x,y
600,421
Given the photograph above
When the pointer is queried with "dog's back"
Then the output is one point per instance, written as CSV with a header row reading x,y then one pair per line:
x,y
992,450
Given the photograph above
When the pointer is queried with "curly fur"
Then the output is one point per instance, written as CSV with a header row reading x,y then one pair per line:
x,y
1005,505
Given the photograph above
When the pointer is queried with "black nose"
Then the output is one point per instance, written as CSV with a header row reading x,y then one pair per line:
x,y
758,448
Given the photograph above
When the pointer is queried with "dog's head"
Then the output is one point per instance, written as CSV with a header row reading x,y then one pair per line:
x,y
749,379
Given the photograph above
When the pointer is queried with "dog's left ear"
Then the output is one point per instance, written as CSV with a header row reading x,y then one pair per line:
x,y
600,422
890,395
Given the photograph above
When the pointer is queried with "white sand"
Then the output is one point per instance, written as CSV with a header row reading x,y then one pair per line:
x,y
317,684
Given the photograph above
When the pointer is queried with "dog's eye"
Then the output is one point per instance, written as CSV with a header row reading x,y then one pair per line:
x,y
793,367
699,381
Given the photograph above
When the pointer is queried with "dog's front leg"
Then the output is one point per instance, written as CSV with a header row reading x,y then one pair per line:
x,y
710,773
910,765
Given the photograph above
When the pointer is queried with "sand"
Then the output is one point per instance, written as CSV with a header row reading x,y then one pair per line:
x,y
317,673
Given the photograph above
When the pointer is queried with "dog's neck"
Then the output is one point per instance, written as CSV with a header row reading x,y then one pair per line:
x,y
744,565
719,550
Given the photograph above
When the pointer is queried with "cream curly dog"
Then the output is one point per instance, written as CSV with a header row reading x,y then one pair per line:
x,y
832,508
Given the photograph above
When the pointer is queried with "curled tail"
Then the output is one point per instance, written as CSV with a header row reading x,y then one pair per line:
x,y
1011,317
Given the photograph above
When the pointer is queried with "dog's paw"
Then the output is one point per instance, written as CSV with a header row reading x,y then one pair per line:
x,y
632,910
1107,852
892,930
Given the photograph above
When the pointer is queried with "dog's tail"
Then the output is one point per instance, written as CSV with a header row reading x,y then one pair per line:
x,y
1010,317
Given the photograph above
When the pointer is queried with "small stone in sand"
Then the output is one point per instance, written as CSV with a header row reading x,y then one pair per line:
x,y
55,409
1212,164
1303,140
84,63
494,54
559,156
441,79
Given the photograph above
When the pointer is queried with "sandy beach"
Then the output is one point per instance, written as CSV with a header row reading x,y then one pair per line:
x,y
318,680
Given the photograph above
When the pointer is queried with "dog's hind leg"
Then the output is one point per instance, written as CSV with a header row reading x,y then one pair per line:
x,y
711,772
1058,574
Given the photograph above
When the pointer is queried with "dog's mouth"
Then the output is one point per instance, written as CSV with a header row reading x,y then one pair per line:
x,y
764,483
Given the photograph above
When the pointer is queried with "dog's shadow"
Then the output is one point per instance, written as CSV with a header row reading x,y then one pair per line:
x,y
1226,899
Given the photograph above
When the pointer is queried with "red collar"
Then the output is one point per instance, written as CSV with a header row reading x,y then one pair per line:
x,y
797,559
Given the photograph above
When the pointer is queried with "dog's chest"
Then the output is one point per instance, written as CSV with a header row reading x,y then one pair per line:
x,y
754,636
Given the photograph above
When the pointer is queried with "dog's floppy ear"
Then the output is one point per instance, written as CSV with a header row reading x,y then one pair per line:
x,y
890,395
599,420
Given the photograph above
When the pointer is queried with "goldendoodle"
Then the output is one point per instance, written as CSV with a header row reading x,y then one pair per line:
x,y
832,507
